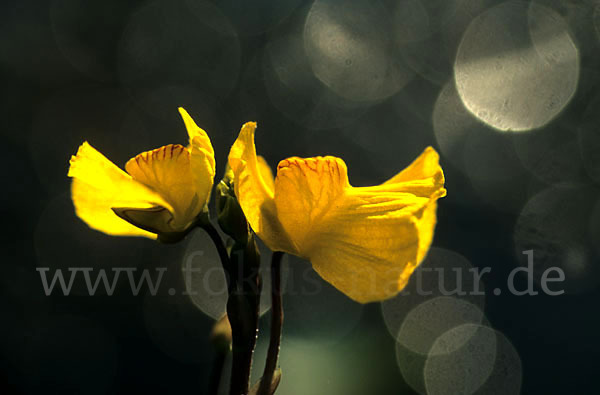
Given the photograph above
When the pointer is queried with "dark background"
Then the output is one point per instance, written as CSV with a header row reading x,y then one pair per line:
x,y
371,83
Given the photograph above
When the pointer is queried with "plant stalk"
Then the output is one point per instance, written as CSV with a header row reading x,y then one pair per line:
x,y
276,325
243,282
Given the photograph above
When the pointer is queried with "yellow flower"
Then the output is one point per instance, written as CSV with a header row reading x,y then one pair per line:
x,y
161,194
365,241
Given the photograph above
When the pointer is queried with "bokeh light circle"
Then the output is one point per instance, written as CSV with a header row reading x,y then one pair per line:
x,y
429,32
418,19
517,66
452,124
203,276
297,93
597,20
552,154
429,320
589,139
488,158
461,360
411,366
205,282
259,16
507,376
444,273
350,49
554,224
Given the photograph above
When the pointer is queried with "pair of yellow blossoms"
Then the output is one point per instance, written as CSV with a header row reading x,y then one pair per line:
x,y
366,241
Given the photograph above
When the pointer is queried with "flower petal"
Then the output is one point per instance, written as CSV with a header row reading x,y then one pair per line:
x,y
305,191
368,257
167,171
255,193
266,173
423,177
364,242
202,158
98,185
426,220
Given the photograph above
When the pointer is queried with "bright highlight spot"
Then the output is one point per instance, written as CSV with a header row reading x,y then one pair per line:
x,y
488,158
517,66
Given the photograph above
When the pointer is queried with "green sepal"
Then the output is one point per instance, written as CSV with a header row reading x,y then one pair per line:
x,y
229,213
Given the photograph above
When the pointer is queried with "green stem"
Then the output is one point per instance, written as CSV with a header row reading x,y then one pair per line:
x,y
242,310
240,313
276,325
218,242
241,366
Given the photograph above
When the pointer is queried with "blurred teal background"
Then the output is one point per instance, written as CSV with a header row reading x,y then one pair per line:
x,y
507,93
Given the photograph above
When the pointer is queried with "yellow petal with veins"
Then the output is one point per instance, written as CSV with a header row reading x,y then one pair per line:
x,y
305,191
364,241
369,257
167,171
98,185
254,189
202,158
164,192
425,178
